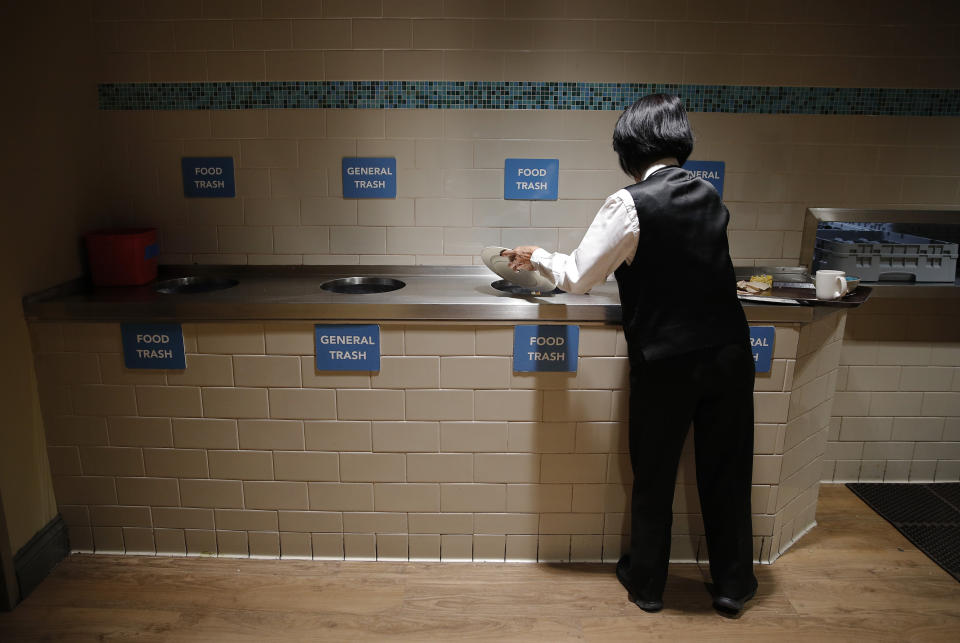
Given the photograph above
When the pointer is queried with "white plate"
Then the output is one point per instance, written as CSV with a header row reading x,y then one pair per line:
x,y
501,265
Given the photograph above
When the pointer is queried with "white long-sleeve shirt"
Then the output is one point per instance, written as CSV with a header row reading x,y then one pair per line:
x,y
610,240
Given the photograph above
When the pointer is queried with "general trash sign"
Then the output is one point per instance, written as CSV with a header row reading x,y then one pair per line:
x,y
347,347
709,171
761,343
369,178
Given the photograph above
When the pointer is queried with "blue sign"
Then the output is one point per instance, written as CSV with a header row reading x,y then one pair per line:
x,y
208,176
531,179
347,347
369,178
710,171
761,342
545,348
153,346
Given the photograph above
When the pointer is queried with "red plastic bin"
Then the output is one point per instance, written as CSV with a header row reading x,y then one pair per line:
x,y
122,257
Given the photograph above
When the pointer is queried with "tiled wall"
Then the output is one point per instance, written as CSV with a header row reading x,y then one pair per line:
x,y
897,407
445,454
450,161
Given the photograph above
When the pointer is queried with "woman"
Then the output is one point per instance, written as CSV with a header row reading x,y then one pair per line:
x,y
688,343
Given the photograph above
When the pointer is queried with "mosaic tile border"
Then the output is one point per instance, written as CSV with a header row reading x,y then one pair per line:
x,y
429,94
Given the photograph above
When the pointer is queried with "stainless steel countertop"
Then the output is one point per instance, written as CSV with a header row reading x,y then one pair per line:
x,y
432,293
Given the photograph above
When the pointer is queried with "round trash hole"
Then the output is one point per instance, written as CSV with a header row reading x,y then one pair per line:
x,y
362,285
505,286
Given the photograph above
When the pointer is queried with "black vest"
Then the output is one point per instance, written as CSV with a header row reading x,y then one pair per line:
x,y
679,293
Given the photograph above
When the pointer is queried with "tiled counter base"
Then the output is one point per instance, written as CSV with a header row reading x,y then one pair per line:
x,y
444,454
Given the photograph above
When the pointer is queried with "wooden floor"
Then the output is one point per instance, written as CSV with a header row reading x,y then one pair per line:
x,y
853,578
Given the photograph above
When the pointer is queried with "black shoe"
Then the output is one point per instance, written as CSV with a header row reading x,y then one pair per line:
x,y
646,605
729,606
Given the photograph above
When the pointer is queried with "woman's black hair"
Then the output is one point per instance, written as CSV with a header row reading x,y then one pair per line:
x,y
654,127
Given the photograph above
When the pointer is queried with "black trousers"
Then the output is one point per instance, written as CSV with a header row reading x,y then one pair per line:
x,y
713,389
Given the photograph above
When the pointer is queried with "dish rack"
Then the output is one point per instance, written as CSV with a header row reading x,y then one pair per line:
x,y
881,255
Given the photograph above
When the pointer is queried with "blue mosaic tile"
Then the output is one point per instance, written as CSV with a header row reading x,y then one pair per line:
x,y
428,94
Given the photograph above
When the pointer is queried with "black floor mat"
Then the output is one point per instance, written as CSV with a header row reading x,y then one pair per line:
x,y
927,514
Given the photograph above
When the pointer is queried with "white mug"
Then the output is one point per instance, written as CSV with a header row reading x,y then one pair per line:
x,y
831,284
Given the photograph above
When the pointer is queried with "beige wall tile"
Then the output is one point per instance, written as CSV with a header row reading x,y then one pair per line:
x,y
442,33
310,521
510,405
246,520
372,467
538,498
302,404
271,434
327,546
245,239
447,523
298,183
321,34
407,372
392,547
140,432
338,436
292,465
406,436
374,522
232,544
406,497
897,404
473,436
475,373
64,461
330,496
148,491
169,401
289,338
186,518
175,463
456,548
95,399
170,542
473,497
295,65
489,548
439,405
439,340
573,468
71,368
296,546
275,495
85,490
439,467
264,545
230,339
553,549
215,494
266,370
585,406
508,467
370,405
241,465
112,461
204,434
351,240
541,437
235,402
522,548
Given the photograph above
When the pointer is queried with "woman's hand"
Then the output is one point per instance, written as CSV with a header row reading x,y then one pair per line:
x,y
520,257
